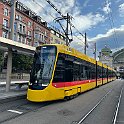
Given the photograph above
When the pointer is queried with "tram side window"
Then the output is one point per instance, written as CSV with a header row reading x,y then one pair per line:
x,y
83,75
59,74
108,73
64,69
68,70
90,71
93,72
99,72
76,72
104,73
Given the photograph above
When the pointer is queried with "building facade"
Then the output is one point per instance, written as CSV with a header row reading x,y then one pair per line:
x,y
28,26
105,56
57,37
118,62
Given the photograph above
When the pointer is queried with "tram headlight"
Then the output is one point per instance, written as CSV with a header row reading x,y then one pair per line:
x,y
30,83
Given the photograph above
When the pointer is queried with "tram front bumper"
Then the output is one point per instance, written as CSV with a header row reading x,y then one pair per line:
x,y
37,95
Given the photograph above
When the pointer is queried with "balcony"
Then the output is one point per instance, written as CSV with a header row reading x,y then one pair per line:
x,y
29,37
5,27
22,32
18,21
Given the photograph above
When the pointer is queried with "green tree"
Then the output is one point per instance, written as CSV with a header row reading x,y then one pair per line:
x,y
1,59
22,63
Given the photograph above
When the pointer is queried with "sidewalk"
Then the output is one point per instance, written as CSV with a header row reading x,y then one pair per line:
x,y
3,82
14,93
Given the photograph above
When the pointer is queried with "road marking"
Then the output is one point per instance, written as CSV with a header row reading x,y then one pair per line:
x,y
117,107
14,111
120,121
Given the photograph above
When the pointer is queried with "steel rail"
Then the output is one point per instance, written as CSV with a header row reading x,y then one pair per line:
x,y
117,107
94,107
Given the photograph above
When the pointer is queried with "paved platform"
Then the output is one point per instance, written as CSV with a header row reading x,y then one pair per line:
x,y
14,93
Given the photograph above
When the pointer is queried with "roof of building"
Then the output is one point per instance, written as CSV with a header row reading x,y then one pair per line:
x,y
106,49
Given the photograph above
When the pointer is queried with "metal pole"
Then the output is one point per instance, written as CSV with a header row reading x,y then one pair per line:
x,y
9,60
85,44
67,30
95,52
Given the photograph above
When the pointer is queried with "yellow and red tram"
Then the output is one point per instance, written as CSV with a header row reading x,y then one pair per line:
x,y
60,72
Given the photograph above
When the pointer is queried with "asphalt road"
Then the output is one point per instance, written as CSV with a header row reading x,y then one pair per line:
x,y
120,112
65,112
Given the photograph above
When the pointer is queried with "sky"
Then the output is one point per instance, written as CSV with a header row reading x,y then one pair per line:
x,y
102,20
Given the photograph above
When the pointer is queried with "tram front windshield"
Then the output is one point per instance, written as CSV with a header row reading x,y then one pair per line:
x,y
42,69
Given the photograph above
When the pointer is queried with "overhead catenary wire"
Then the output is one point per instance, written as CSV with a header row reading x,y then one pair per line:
x,y
63,16
45,11
54,19
112,25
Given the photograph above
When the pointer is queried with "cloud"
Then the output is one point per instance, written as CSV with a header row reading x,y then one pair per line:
x,y
86,3
85,22
113,38
48,14
121,10
106,8
109,33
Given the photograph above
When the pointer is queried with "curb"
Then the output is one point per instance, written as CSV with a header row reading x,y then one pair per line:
x,y
12,98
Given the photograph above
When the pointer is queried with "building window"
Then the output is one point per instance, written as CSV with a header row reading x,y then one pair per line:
x,y
20,27
5,22
15,37
36,36
15,26
18,17
5,34
57,34
19,38
29,33
23,40
42,37
29,24
6,12
24,29
18,6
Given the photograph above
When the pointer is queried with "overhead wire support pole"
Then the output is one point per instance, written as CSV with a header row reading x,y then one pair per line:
x,y
67,30
63,17
95,51
85,46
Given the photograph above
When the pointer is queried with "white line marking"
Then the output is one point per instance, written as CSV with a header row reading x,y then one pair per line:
x,y
14,111
117,107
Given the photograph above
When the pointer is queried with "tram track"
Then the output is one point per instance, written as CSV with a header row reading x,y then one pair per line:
x,y
117,107
106,94
83,120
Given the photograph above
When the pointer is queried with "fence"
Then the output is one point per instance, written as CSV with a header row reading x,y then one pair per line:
x,y
16,76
